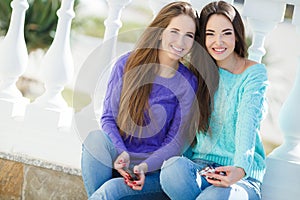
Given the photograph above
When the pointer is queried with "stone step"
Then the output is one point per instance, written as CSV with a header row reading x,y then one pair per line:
x,y
19,181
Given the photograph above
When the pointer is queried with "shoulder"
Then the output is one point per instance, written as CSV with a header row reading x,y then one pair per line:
x,y
188,74
123,58
121,62
255,69
185,71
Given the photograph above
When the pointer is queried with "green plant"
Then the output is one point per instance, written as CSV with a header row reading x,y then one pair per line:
x,y
40,21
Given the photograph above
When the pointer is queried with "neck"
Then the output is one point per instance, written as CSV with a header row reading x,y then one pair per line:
x,y
234,64
167,66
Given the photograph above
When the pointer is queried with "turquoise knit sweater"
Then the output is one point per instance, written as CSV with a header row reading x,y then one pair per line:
x,y
234,137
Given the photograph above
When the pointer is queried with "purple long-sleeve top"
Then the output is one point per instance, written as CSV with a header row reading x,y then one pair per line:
x,y
170,102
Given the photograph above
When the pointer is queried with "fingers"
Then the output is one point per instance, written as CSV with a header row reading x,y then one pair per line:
x,y
136,184
122,160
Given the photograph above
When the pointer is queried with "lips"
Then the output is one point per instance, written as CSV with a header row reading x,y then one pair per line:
x,y
177,50
219,50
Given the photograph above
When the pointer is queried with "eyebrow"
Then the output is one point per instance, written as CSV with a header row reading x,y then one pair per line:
x,y
227,29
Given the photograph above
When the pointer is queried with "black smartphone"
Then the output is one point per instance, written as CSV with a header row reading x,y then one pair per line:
x,y
132,176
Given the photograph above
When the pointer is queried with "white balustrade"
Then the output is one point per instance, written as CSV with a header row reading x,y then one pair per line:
x,y
263,16
57,70
155,6
94,75
200,4
13,57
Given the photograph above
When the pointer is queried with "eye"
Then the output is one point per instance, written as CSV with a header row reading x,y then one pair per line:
x,y
173,31
209,34
228,33
190,35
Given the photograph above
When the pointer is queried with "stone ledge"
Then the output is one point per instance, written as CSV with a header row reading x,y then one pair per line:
x,y
22,181
39,163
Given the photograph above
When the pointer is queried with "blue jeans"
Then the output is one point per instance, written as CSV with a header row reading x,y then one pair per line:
x,y
178,180
101,181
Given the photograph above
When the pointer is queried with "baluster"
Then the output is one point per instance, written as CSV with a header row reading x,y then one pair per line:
x,y
57,65
94,75
262,19
200,4
283,163
57,70
13,58
157,5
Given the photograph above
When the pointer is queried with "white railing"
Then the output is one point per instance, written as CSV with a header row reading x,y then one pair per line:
x,y
48,130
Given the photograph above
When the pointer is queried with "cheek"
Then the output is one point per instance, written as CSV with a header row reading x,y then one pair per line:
x,y
208,43
231,41
189,43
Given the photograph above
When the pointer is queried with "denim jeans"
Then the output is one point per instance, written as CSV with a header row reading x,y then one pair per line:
x,y
101,181
178,180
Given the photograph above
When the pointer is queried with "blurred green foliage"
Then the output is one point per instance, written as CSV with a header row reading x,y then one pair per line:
x,y
40,22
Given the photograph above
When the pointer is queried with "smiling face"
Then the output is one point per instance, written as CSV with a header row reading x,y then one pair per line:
x,y
220,38
177,39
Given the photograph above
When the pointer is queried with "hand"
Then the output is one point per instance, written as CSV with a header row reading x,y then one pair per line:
x,y
233,175
140,170
123,160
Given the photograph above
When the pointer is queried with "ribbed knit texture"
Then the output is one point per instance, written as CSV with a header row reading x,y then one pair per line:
x,y
239,107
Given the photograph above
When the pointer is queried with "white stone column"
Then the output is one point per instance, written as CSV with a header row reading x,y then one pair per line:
x,y
157,5
198,5
94,75
262,16
57,70
13,62
283,164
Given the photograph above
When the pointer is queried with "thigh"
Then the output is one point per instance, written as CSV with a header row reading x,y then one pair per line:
x,y
178,177
96,161
116,189
100,147
242,190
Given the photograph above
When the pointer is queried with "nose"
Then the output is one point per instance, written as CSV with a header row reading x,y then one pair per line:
x,y
180,40
219,39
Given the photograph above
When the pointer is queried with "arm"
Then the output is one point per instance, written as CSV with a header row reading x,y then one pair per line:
x,y
251,110
250,114
176,137
111,105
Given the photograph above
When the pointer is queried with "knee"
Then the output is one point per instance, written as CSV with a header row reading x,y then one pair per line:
x,y
217,193
174,163
93,137
171,167
96,143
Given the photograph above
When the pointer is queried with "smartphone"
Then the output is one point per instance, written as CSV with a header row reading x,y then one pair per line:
x,y
210,169
132,176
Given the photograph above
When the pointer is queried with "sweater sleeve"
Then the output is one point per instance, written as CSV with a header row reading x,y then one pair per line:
x,y
111,105
176,137
251,111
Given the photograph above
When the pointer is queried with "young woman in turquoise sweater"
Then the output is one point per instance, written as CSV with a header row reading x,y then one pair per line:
x,y
231,147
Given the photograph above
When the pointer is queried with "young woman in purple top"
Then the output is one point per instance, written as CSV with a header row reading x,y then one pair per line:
x,y
147,112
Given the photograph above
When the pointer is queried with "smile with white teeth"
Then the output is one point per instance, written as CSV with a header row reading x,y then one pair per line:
x,y
177,49
219,49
